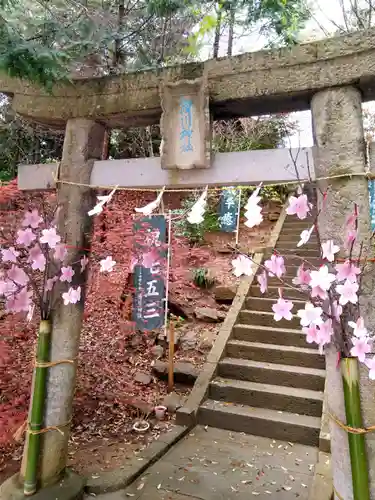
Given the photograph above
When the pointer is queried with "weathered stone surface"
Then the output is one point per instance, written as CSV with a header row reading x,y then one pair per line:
x,y
261,82
209,314
207,340
138,404
225,294
183,146
70,487
188,340
338,133
143,378
157,351
82,145
184,373
173,401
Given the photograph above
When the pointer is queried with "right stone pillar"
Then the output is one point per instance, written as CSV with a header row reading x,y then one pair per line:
x,y
340,149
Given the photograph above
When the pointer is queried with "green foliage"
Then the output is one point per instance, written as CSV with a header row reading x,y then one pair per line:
x,y
178,321
195,232
244,134
280,19
203,278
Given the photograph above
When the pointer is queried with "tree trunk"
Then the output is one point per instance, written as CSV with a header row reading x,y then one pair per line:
x,y
232,18
117,53
217,33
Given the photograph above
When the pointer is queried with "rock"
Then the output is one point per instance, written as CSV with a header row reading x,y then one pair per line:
x,y
208,340
136,340
184,373
138,404
224,250
157,351
143,378
188,341
225,294
209,314
273,216
173,402
178,306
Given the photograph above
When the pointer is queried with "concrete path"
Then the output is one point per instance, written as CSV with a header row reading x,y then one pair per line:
x,y
214,464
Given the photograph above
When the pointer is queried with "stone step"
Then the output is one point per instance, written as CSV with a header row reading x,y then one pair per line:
x,y
270,335
294,229
273,292
272,397
265,303
267,319
306,253
272,373
288,279
293,262
261,422
274,353
285,281
287,241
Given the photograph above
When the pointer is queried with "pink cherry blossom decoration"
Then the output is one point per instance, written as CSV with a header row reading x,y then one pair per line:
x,y
275,266
347,271
263,282
311,315
329,249
9,254
325,333
242,265
305,236
32,219
359,328
50,283
303,276
84,263
18,275
311,334
348,292
50,237
282,309
299,206
67,274
316,291
72,296
370,363
25,237
322,278
20,302
360,348
37,259
336,310
60,252
107,264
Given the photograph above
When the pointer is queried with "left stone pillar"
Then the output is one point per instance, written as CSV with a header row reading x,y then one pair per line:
x,y
83,144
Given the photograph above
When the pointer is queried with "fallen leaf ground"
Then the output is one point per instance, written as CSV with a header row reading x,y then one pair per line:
x,y
110,353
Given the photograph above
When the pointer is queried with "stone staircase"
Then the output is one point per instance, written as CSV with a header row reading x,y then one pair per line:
x,y
270,382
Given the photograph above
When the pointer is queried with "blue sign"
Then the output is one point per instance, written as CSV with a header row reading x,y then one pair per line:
x,y
228,211
186,118
371,189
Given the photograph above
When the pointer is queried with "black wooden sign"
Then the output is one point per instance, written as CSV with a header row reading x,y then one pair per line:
x,y
149,265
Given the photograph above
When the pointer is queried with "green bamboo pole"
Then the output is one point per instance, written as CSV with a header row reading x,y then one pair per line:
x,y
37,409
357,447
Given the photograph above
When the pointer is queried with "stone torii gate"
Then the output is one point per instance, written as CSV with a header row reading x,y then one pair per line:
x,y
330,77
